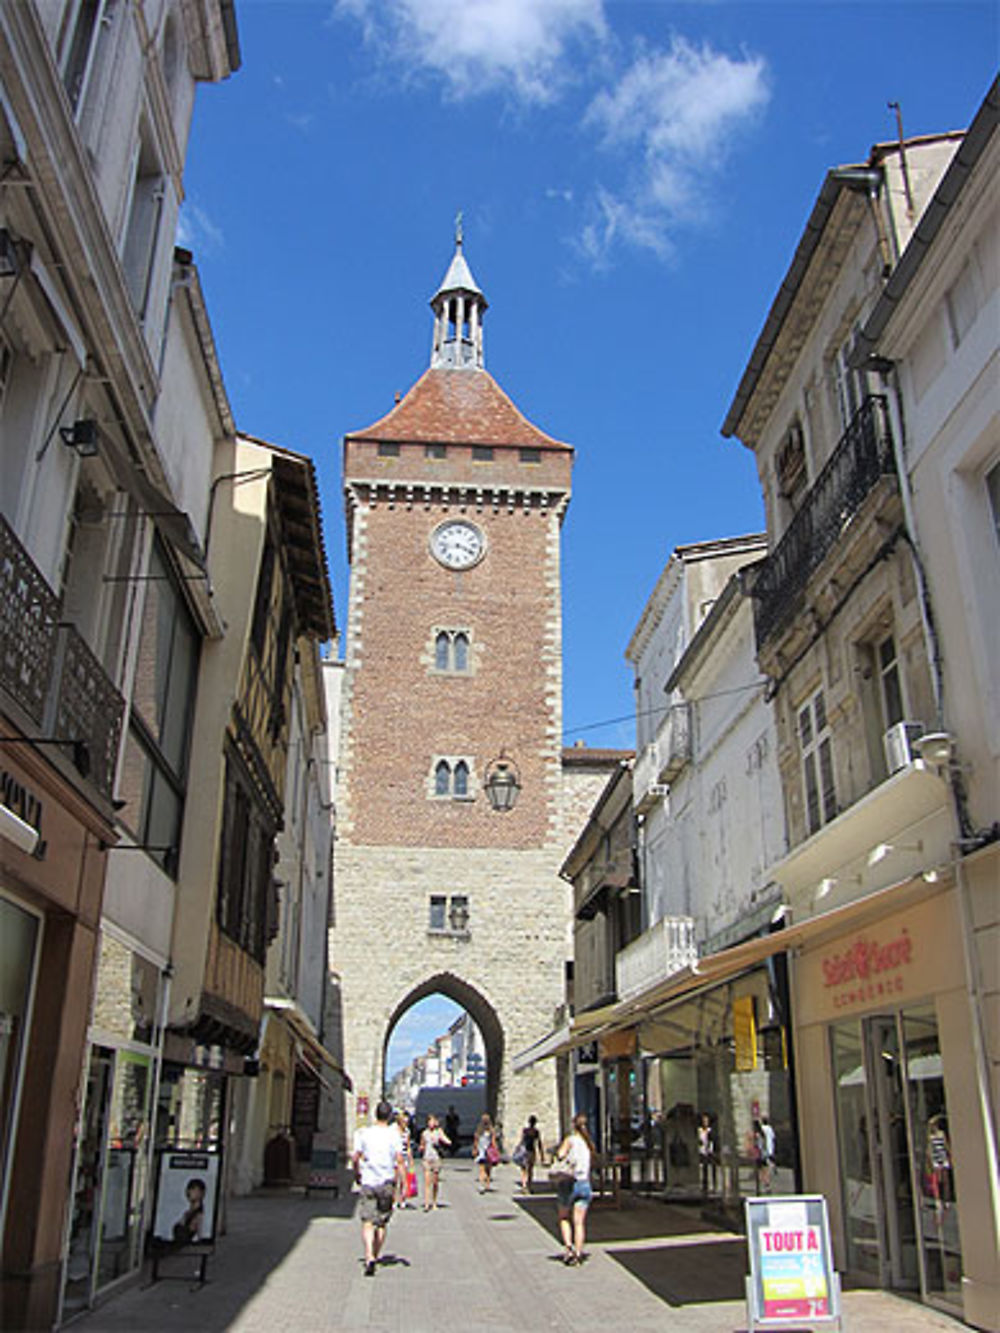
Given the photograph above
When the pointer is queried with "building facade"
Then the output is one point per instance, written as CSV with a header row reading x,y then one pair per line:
x,y
108,418
894,1121
453,673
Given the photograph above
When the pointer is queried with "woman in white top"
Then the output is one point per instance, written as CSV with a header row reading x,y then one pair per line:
x,y
574,1195
430,1146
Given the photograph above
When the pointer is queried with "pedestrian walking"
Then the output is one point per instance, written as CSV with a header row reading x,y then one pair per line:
x,y
487,1152
406,1179
706,1152
529,1150
571,1173
377,1154
431,1141
766,1145
452,1121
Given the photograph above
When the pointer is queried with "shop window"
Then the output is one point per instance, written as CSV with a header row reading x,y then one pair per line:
x,y
816,746
20,932
154,778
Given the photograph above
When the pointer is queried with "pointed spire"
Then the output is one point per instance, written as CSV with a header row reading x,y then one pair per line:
x,y
458,306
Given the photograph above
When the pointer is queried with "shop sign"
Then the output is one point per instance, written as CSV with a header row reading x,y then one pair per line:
x,y
792,1278
869,969
24,805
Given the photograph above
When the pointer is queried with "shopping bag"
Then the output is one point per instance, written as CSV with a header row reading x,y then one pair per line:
x,y
411,1184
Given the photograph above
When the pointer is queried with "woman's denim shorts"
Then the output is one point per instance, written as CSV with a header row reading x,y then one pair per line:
x,y
572,1192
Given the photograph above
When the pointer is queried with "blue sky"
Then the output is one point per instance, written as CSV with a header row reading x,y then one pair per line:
x,y
634,178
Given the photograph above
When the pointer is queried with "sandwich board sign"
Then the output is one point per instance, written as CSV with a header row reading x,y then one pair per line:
x,y
792,1280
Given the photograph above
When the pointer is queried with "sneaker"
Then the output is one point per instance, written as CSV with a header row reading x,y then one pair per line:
x,y
570,1259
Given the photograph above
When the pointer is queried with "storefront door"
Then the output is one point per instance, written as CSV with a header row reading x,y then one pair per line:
x,y
898,1194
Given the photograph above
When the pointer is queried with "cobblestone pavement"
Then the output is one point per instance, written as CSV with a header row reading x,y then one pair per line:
x,y
486,1262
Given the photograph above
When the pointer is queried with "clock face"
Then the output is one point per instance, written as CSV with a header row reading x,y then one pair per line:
x,y
458,544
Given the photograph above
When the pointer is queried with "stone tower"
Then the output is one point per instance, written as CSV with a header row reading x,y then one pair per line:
x,y
454,507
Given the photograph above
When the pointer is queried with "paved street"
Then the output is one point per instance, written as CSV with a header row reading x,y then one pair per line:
x,y
481,1262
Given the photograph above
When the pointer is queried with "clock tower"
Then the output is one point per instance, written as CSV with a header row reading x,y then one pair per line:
x,y
453,663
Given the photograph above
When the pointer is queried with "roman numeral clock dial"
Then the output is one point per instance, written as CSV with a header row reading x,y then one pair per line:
x,y
458,544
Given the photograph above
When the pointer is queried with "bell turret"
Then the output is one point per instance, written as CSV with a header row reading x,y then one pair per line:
x,y
458,306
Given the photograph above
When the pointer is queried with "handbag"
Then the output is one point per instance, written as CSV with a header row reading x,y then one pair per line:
x,y
492,1154
561,1171
411,1184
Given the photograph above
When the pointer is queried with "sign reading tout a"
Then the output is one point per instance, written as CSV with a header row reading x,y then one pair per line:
x,y
792,1279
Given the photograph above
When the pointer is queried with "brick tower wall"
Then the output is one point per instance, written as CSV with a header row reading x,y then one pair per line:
x,y
397,842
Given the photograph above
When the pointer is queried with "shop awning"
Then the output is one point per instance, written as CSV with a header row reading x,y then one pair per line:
x,y
718,967
582,1029
299,1025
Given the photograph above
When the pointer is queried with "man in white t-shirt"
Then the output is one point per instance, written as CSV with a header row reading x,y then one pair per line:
x,y
378,1150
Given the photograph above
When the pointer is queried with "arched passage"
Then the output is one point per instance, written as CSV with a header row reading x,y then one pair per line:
x,y
482,1014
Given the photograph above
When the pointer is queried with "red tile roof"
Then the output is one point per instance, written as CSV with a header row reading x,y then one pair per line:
x,y
460,407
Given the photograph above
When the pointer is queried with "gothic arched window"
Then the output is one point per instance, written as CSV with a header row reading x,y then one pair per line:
x,y
442,778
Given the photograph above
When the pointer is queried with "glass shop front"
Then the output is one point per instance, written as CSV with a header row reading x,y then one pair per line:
x,y
719,1100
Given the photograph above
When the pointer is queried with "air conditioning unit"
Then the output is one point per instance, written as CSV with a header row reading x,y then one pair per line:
x,y
899,743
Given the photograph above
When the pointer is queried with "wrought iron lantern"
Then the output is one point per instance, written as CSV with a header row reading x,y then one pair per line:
x,y
502,783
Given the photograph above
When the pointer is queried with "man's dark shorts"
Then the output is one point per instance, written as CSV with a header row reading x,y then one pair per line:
x,y
376,1204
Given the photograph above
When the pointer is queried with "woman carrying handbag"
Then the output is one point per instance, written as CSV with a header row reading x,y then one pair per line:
x,y
570,1173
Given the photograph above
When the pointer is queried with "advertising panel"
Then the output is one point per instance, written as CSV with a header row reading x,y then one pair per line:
x,y
186,1195
792,1279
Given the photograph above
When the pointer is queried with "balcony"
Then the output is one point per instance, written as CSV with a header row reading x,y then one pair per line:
x,y
863,455
50,673
663,758
663,949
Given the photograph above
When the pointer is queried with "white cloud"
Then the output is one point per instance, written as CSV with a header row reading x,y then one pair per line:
x,y
196,231
518,46
679,109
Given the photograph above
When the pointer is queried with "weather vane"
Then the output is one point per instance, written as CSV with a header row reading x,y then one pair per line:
x,y
458,228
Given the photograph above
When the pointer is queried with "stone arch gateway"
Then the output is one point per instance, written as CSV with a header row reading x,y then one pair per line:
x,y
482,1013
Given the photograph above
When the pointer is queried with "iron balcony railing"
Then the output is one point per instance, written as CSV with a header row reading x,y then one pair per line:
x,y
863,455
48,670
